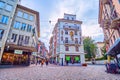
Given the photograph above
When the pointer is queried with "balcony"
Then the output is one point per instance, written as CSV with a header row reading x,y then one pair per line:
x,y
105,1
115,23
71,42
71,27
106,23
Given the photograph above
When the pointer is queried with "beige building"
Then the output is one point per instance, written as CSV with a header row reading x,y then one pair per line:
x,y
7,10
23,36
109,20
67,41
99,52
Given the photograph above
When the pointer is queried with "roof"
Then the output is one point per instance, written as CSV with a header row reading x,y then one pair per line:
x,y
70,21
114,49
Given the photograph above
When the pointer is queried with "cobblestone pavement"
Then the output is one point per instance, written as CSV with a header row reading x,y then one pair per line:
x,y
53,72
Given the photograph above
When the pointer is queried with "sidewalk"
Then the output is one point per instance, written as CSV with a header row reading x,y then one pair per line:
x,y
11,66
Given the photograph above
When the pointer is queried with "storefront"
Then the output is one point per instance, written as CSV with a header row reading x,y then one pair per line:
x,y
72,58
16,55
114,51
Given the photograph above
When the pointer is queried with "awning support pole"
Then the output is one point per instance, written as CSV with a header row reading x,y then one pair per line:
x,y
108,58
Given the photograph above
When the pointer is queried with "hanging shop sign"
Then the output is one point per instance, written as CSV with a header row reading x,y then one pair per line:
x,y
18,51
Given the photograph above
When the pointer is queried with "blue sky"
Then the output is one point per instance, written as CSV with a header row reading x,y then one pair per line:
x,y
85,10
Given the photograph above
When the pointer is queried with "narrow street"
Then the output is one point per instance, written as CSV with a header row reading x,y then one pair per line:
x,y
53,72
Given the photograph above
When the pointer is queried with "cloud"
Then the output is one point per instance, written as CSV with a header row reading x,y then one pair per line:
x,y
85,10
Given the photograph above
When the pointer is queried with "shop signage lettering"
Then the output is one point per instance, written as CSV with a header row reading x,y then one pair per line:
x,y
18,51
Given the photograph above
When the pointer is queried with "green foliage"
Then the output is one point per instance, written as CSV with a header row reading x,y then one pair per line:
x,y
89,47
102,58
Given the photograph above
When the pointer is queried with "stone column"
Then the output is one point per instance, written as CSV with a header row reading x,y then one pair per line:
x,y
82,58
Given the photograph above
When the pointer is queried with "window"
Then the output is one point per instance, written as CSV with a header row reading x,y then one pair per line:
x,y
66,48
31,17
2,4
20,40
23,26
62,38
12,0
119,1
14,36
75,32
25,16
76,40
4,19
8,7
66,40
1,33
67,18
66,32
72,18
77,48
20,13
29,27
27,39
62,32
17,25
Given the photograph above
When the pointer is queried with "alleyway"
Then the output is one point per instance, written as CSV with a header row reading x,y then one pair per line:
x,y
53,72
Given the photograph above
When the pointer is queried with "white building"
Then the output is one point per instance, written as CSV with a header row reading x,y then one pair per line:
x,y
22,37
67,39
99,52
7,10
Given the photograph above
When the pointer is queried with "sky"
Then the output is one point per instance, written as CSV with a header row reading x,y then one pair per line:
x,y
50,10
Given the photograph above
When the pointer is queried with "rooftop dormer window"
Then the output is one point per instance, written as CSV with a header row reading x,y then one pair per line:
x,y
67,18
72,18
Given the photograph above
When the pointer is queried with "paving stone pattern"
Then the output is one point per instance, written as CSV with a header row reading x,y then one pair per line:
x,y
53,72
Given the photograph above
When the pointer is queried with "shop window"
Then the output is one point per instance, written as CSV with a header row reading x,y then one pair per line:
x,y
1,33
14,37
17,25
23,26
4,19
66,48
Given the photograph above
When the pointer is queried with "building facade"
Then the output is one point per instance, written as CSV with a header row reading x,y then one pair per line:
x,y
22,36
51,50
109,20
67,40
7,10
99,52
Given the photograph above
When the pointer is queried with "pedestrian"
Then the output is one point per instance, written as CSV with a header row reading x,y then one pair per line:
x,y
42,63
46,62
39,61
67,62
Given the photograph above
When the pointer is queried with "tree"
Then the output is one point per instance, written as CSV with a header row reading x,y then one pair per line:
x,y
89,47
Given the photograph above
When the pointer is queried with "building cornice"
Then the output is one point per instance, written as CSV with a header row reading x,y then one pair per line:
x,y
70,21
